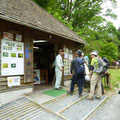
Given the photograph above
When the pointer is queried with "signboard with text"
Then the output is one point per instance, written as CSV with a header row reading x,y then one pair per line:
x,y
13,81
12,58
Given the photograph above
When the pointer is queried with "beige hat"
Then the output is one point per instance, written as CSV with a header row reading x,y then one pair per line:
x,y
61,50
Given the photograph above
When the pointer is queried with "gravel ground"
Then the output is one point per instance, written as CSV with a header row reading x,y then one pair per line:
x,y
81,109
14,103
47,116
64,102
108,111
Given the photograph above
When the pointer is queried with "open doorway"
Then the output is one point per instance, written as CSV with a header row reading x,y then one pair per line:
x,y
44,57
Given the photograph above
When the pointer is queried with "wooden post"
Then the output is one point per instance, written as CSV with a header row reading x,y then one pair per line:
x,y
109,81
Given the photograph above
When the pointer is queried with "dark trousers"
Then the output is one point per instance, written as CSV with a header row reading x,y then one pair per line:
x,y
79,79
102,86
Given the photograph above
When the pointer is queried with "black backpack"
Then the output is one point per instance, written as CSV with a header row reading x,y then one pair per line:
x,y
79,66
106,61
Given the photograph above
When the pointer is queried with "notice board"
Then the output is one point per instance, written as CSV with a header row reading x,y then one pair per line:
x,y
12,58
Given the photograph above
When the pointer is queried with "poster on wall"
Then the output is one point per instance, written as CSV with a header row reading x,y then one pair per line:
x,y
7,35
12,58
36,76
18,37
13,81
68,57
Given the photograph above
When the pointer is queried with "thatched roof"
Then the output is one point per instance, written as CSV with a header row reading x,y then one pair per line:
x,y
28,13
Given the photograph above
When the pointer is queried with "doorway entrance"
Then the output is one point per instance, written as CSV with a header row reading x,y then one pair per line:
x,y
44,57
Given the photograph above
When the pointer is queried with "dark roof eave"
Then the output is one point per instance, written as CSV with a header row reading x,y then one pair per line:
x,y
39,28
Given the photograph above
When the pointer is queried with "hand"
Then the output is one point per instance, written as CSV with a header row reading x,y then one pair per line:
x,y
90,75
71,75
61,69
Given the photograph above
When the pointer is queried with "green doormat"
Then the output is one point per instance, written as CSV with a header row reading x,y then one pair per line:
x,y
55,93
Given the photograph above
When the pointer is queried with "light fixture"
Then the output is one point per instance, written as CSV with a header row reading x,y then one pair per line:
x,y
35,47
38,41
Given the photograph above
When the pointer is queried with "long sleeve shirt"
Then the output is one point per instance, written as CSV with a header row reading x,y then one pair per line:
x,y
59,62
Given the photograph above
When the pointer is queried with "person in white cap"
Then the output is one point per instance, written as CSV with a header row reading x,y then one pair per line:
x,y
95,78
59,69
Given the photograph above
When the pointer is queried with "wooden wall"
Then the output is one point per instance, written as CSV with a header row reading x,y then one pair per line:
x,y
28,36
14,29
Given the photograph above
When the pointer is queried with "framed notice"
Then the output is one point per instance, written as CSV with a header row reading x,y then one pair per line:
x,y
13,81
12,58
8,36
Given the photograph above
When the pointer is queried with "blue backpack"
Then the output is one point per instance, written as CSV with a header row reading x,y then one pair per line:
x,y
79,66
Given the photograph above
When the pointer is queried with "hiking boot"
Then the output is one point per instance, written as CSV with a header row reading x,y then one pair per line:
x,y
98,98
80,95
69,92
88,98
103,92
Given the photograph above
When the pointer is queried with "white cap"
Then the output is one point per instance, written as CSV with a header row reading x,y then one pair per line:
x,y
93,53
82,54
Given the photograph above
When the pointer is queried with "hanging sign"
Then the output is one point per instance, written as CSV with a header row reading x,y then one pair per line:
x,y
18,37
8,36
13,81
12,58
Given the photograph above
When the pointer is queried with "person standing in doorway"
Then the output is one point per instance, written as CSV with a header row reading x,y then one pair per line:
x,y
59,69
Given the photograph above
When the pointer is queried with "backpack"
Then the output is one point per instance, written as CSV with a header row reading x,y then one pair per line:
x,y
101,67
106,61
79,66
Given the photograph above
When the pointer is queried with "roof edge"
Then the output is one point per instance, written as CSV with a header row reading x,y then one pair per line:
x,y
39,28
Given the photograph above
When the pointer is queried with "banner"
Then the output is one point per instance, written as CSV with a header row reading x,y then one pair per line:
x,y
12,58
13,81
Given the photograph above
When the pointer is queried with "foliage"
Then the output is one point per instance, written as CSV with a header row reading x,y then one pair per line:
x,y
115,77
85,18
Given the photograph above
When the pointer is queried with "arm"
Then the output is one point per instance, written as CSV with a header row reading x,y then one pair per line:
x,y
71,67
58,64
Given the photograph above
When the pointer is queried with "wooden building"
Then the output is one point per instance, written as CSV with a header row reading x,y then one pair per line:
x,y
29,40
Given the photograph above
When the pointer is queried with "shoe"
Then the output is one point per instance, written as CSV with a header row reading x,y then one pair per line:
x,y
57,89
88,98
98,98
80,95
103,92
88,90
60,88
69,92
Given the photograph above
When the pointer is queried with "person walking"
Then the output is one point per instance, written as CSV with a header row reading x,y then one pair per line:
x,y
73,74
95,78
59,69
76,76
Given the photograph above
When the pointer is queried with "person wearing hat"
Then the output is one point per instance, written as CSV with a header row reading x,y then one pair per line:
x,y
95,78
59,69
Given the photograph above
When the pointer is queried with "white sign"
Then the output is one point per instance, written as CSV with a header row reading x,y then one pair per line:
x,y
18,37
13,81
12,58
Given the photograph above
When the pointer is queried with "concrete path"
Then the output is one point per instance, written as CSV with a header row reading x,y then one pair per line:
x,y
110,110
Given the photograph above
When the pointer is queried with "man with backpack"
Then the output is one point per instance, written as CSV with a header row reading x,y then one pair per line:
x,y
77,73
95,77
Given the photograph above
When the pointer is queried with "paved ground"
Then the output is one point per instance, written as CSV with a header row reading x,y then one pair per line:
x,y
41,107
110,110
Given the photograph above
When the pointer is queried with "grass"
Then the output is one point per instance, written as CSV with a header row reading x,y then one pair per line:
x,y
115,78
